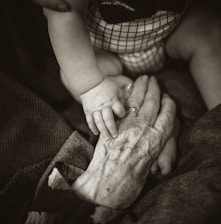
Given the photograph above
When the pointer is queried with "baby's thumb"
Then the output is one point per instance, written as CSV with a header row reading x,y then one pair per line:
x,y
125,92
119,109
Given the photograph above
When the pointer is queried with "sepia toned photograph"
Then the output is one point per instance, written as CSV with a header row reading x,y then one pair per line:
x,y
110,112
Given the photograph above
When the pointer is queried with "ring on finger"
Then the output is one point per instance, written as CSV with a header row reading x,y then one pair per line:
x,y
129,86
133,110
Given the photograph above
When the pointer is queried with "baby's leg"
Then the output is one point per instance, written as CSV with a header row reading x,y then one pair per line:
x,y
197,41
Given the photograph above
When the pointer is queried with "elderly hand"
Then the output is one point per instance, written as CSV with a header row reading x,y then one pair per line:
x,y
58,5
119,168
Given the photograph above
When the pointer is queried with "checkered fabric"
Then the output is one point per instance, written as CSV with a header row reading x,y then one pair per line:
x,y
138,43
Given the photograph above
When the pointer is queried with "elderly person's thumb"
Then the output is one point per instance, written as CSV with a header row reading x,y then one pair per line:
x,y
58,5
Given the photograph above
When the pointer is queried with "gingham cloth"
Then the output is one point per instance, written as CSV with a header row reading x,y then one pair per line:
x,y
138,43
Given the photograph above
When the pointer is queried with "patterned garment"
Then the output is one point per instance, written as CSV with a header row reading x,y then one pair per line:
x,y
139,41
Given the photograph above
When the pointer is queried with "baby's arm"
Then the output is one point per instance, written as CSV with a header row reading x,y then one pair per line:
x,y
72,47
79,70
198,40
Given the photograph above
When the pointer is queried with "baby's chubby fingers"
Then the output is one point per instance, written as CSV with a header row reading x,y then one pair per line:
x,y
91,124
101,126
109,121
118,109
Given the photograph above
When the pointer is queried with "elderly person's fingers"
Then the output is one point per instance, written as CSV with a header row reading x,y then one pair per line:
x,y
162,129
154,167
167,157
165,121
151,104
136,98
58,5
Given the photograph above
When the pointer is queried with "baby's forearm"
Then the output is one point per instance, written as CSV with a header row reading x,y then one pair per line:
x,y
73,49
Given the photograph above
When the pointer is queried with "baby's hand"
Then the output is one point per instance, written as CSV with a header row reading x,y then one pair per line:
x,y
100,104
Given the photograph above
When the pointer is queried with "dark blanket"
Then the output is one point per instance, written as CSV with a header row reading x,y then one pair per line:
x,y
37,115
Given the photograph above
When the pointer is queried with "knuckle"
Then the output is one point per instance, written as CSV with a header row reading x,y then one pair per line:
x,y
147,117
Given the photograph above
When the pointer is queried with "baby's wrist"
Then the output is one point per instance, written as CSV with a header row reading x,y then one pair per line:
x,y
92,86
83,83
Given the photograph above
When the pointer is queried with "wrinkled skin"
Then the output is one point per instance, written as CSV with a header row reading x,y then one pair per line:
x,y
119,168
